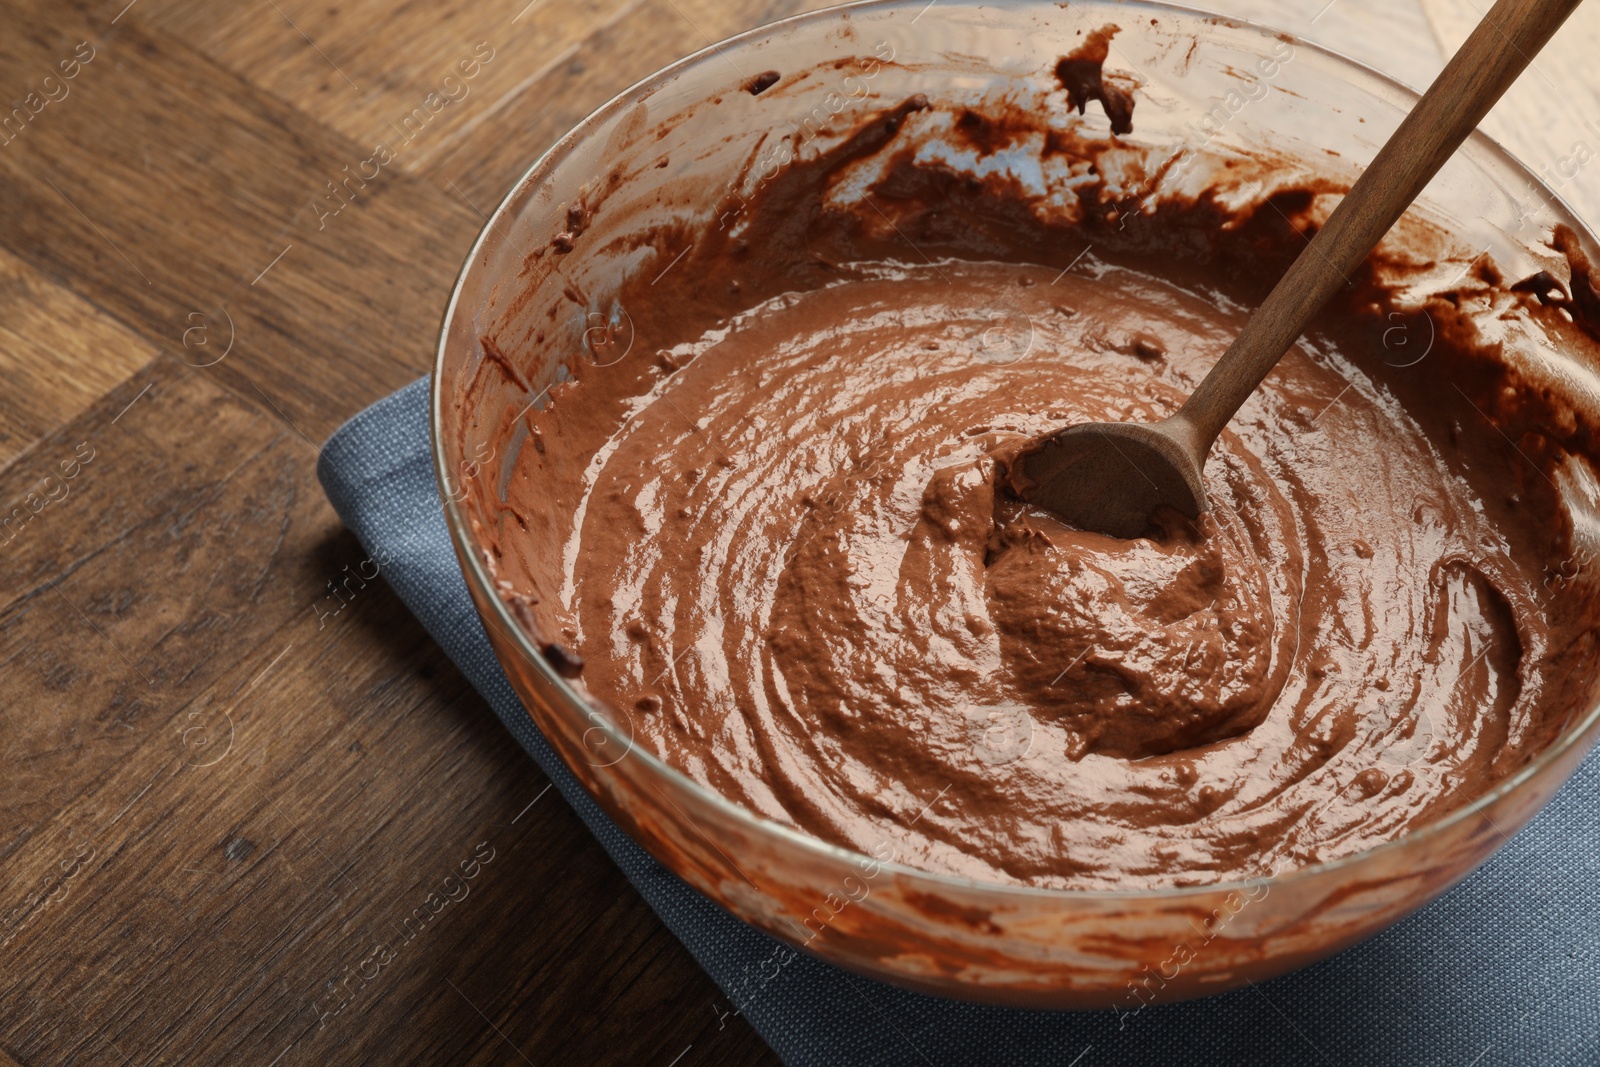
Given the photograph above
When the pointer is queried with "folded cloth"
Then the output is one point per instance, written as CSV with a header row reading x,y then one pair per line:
x,y
1503,969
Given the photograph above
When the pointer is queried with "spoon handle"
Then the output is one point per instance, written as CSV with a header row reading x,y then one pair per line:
x,y
1503,44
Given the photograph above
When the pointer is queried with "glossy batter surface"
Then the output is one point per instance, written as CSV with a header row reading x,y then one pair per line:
x,y
795,569
790,567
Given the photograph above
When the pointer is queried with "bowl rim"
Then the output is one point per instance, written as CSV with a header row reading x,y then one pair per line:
x,y
1579,732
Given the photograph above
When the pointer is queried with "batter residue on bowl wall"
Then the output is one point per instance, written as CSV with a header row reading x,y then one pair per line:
x,y
793,571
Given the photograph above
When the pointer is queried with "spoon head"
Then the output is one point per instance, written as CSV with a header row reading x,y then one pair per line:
x,y
1111,477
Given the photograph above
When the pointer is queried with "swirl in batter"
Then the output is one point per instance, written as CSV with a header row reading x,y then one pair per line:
x,y
794,569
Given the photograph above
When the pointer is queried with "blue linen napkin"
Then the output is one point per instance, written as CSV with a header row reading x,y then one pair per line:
x,y
1505,969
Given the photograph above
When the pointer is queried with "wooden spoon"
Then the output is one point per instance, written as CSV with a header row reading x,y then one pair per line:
x,y
1111,477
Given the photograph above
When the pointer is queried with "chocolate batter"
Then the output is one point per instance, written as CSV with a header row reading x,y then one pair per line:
x,y
793,572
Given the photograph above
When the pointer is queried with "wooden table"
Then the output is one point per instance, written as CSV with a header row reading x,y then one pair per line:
x,y
224,785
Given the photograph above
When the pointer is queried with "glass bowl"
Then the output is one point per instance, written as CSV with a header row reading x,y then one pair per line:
x,y
504,343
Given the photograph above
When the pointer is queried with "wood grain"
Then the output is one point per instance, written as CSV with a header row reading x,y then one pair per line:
x,y
234,799
457,61
57,355
484,164
172,194
219,800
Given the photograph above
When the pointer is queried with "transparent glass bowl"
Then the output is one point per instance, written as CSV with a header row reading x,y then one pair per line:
x,y
952,936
